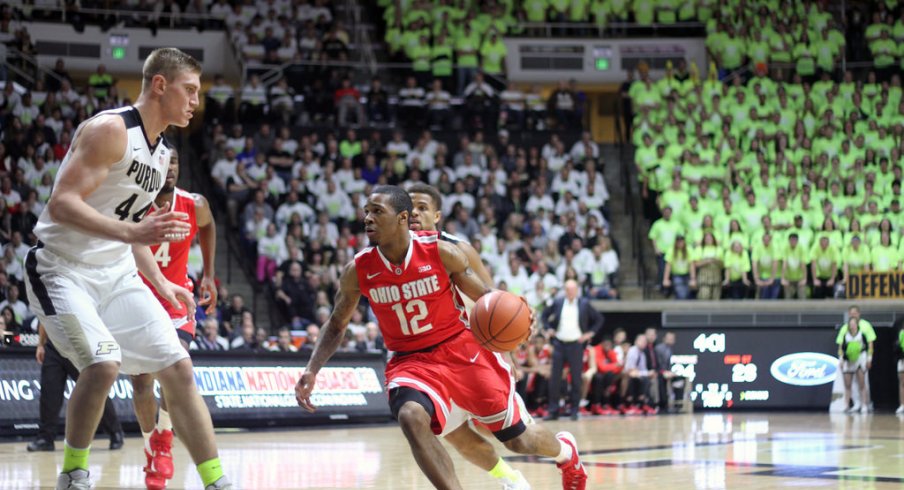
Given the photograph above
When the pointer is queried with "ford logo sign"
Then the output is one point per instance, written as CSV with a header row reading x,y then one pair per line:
x,y
805,369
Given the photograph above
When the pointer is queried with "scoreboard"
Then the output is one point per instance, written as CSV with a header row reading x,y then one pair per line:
x,y
750,368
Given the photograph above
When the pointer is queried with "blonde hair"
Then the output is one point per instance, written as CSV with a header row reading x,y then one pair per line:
x,y
167,62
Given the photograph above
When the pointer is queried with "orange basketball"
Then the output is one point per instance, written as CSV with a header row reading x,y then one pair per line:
x,y
500,321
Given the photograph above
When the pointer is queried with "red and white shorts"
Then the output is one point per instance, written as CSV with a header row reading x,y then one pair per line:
x,y
463,380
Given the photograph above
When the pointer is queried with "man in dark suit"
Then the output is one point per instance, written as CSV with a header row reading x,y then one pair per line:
x,y
570,323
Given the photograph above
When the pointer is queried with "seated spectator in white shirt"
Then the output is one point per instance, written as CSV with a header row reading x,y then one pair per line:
x,y
438,103
585,148
459,196
539,199
512,100
335,202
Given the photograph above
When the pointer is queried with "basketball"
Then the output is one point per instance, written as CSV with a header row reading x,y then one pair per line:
x,y
500,321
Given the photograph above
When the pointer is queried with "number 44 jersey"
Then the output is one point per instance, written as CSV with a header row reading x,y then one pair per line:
x,y
172,257
414,302
125,194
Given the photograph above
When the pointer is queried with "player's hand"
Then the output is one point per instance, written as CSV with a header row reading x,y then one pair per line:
x,y
303,390
208,295
161,226
586,337
178,296
39,354
531,310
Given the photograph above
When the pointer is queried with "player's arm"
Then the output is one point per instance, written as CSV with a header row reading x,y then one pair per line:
x,y
331,335
99,145
460,271
476,263
173,293
207,231
42,341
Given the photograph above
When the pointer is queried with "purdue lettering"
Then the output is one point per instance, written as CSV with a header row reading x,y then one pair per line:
x,y
145,176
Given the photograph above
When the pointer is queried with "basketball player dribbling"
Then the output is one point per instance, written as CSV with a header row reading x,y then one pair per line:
x,y
426,216
172,260
408,280
82,276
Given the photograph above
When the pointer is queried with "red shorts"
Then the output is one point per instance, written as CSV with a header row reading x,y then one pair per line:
x,y
460,375
185,324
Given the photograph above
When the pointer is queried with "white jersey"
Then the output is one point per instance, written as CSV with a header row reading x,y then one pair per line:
x,y
126,194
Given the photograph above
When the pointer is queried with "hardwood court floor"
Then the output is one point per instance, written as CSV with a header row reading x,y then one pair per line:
x,y
702,451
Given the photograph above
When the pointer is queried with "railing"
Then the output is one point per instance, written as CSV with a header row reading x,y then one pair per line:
x,y
172,20
609,29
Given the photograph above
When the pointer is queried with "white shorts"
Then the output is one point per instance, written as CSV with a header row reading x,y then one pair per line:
x,y
849,367
901,365
100,313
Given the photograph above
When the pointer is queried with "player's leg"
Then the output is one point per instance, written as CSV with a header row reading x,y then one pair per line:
x,y
144,402
415,412
488,394
151,345
848,380
474,448
864,390
479,452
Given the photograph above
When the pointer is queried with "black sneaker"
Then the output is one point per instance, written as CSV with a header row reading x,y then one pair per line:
x,y
41,445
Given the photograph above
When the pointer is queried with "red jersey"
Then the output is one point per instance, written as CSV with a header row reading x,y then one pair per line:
x,y
414,302
172,257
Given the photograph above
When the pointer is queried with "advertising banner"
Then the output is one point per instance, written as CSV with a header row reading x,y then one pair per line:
x,y
240,390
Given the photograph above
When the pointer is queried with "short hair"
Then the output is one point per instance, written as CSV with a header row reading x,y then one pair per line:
x,y
421,188
167,62
398,198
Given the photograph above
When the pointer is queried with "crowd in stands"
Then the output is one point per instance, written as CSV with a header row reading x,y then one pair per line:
x,y
618,377
536,214
767,185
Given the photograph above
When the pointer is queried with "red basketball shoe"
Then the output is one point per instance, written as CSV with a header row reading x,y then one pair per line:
x,y
574,476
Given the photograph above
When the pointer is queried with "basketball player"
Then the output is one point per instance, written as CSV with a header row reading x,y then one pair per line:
x,y
82,276
172,259
426,216
408,279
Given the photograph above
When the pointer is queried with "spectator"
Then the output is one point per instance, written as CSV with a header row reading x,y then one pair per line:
x,y
372,341
377,103
295,297
254,101
708,264
411,103
247,340
284,341
737,266
480,103
824,268
219,104
348,99
438,104
606,380
100,82
794,269
679,273
637,379
562,105
210,340
766,266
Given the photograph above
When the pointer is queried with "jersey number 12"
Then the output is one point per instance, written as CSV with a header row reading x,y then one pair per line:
x,y
412,327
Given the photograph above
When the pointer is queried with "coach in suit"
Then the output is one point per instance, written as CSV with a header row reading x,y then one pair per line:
x,y
570,323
